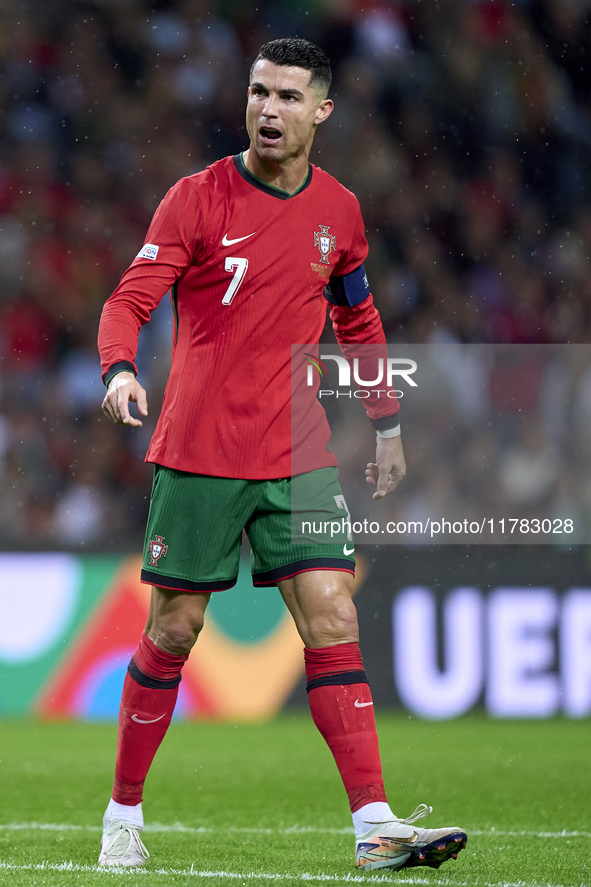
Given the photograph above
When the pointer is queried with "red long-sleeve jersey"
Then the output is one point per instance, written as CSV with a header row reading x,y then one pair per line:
x,y
246,265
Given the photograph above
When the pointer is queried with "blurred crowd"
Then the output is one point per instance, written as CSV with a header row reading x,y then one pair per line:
x,y
463,127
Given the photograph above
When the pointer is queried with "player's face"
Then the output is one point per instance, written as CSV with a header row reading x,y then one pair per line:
x,y
283,111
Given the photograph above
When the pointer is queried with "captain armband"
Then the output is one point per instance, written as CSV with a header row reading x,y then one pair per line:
x,y
350,289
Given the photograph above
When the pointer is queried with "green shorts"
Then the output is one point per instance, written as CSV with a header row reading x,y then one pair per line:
x,y
194,530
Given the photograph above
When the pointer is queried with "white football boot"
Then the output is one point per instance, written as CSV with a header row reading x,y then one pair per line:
x,y
122,845
396,844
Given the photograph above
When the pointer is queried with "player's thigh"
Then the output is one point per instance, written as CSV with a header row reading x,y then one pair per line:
x,y
300,524
194,530
175,618
321,603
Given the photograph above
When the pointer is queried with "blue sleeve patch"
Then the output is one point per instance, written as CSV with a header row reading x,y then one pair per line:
x,y
351,289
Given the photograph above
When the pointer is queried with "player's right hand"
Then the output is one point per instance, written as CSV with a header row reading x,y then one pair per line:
x,y
123,389
389,468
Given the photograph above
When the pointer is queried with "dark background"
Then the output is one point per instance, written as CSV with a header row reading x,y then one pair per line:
x,y
463,127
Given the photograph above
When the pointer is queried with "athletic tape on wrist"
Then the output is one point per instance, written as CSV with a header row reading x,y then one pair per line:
x,y
389,432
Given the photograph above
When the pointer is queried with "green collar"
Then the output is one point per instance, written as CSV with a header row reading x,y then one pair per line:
x,y
246,174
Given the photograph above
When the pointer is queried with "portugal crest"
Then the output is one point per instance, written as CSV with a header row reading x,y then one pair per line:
x,y
157,549
325,242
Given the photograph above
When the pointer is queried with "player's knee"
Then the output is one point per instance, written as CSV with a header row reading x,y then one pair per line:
x,y
177,638
337,625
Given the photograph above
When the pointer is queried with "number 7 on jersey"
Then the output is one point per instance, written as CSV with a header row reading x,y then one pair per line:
x,y
239,267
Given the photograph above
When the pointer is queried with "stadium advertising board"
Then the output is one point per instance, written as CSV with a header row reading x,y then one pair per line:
x,y
444,630
70,625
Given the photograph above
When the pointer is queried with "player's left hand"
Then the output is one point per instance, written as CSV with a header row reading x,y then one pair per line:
x,y
389,468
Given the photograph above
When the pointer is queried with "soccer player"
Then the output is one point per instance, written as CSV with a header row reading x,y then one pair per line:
x,y
251,248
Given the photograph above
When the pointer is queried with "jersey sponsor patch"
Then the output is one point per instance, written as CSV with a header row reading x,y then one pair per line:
x,y
148,251
351,289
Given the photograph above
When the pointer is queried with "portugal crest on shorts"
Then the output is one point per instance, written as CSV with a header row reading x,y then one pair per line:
x,y
157,549
325,242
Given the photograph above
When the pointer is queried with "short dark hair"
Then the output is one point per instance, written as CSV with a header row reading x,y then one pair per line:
x,y
301,54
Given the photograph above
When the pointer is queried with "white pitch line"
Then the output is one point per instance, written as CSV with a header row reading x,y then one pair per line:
x,y
233,876
264,876
179,828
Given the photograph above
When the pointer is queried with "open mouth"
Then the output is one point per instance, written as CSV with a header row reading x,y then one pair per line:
x,y
267,132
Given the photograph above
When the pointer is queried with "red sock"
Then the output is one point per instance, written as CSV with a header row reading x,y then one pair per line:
x,y
342,709
149,695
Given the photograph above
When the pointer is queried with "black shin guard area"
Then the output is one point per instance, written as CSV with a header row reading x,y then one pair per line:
x,y
146,680
340,678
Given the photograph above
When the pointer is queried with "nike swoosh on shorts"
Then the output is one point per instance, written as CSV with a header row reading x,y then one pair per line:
x,y
358,704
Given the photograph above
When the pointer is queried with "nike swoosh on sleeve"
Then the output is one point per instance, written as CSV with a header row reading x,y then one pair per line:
x,y
227,242
358,704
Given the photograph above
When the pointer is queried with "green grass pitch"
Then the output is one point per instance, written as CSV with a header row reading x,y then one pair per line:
x,y
260,804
